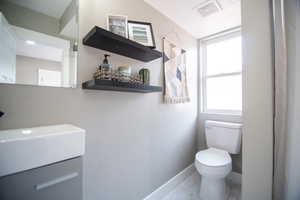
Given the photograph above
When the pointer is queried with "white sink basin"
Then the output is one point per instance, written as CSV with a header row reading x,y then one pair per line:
x,y
24,149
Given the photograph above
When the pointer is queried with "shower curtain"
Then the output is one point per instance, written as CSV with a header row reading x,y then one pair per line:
x,y
280,99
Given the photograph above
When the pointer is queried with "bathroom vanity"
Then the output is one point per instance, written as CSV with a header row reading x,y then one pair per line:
x,y
43,163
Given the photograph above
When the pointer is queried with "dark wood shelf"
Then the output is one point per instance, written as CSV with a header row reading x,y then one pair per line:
x,y
119,86
102,39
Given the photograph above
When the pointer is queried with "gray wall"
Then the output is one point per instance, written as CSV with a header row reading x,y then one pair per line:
x,y
135,143
29,19
27,69
258,95
36,21
292,181
70,11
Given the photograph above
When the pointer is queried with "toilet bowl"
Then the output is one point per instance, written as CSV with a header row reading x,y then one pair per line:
x,y
214,163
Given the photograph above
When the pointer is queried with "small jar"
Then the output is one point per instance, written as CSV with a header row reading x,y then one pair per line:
x,y
145,76
124,73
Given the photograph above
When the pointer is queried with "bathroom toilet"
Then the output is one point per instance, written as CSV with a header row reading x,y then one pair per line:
x,y
214,163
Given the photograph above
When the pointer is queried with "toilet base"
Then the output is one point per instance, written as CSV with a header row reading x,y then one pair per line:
x,y
213,188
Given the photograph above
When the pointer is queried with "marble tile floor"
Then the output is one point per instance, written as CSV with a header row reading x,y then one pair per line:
x,y
189,190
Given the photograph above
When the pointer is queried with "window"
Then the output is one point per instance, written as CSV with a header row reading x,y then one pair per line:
x,y
49,78
222,74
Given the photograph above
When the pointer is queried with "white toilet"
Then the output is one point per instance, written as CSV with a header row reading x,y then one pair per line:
x,y
214,163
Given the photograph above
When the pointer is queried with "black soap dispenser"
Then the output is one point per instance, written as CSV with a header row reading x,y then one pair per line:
x,y
105,65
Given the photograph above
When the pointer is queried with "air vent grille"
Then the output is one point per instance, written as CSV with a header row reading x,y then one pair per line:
x,y
208,8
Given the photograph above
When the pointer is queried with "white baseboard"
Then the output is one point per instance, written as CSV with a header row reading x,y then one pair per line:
x,y
169,186
166,188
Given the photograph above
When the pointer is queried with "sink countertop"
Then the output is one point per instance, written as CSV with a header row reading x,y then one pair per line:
x,y
28,148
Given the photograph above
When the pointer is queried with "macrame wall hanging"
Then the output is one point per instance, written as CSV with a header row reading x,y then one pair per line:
x,y
175,78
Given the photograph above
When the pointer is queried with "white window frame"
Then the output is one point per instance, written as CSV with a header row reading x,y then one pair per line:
x,y
203,69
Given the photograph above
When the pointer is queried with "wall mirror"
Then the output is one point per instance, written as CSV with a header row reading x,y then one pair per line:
x,y
39,42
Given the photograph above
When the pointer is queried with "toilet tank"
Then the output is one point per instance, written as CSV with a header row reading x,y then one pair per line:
x,y
224,135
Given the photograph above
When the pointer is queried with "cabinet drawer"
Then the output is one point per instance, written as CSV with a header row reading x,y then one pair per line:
x,y
59,181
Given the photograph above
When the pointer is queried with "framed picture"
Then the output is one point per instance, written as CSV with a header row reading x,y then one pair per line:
x,y
117,24
142,33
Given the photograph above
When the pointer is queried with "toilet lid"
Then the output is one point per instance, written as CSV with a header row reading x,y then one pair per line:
x,y
213,157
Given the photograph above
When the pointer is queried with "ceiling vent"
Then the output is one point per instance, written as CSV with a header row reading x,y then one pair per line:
x,y
208,8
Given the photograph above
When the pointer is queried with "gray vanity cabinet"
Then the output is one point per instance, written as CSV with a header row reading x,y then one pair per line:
x,y
59,181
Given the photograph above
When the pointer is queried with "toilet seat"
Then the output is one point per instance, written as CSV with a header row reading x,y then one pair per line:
x,y
213,157
213,162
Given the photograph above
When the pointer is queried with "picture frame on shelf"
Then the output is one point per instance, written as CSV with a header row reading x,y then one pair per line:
x,y
117,24
141,32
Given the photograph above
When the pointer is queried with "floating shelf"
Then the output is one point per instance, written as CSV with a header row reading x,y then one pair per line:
x,y
102,39
119,86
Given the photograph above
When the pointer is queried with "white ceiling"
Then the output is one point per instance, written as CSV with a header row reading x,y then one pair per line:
x,y
183,13
70,29
53,8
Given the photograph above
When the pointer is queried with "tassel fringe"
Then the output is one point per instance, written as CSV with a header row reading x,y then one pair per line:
x,y
176,100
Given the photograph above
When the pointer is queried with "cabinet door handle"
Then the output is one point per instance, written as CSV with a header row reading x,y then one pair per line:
x,y
55,181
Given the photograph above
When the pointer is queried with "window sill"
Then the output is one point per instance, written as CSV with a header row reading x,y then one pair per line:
x,y
221,116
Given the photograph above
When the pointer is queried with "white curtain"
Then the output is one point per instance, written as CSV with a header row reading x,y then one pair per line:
x,y
280,99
